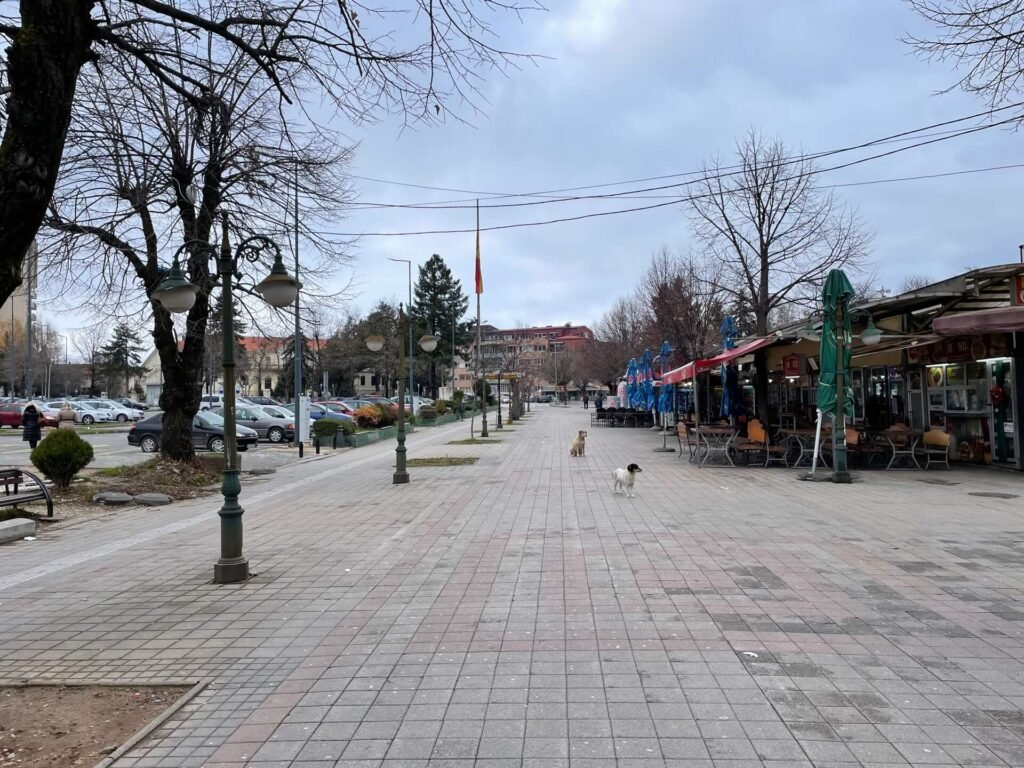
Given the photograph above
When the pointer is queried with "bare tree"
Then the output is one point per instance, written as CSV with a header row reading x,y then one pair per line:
x,y
774,231
914,283
619,335
362,60
983,38
145,164
562,368
89,343
683,304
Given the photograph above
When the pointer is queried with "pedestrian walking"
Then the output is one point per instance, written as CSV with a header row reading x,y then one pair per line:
x,y
586,401
67,416
30,431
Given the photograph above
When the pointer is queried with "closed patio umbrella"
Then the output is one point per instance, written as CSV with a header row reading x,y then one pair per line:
x,y
836,340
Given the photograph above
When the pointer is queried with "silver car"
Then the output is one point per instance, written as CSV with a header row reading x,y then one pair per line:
x,y
84,414
270,427
119,412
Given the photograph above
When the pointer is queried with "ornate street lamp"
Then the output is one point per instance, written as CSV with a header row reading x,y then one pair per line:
x,y
375,343
176,294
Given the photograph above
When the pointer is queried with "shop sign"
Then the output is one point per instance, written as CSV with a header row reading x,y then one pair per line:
x,y
1017,290
959,349
791,365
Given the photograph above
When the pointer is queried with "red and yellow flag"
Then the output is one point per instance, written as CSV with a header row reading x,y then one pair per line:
x,y
479,274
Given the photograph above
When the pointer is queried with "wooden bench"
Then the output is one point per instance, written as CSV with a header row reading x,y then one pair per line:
x,y
756,442
37,490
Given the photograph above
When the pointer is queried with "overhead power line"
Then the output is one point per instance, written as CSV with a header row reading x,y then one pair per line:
x,y
908,135
676,199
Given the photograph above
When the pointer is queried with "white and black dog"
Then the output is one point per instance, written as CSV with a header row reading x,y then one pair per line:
x,y
623,479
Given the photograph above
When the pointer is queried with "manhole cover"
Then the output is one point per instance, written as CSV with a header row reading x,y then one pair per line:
x,y
992,494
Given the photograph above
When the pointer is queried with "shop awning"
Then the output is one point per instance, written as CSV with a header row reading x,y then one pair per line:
x,y
691,369
1002,320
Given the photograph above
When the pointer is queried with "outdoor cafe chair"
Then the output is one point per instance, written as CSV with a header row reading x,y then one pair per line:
x,y
685,436
935,444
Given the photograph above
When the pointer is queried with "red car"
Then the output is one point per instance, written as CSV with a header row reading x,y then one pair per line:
x,y
337,406
10,416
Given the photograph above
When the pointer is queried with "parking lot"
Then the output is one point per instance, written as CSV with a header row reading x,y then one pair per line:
x,y
112,450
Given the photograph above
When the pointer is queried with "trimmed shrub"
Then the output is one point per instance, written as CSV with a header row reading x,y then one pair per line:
x,y
368,417
388,414
61,455
441,406
348,427
428,412
325,427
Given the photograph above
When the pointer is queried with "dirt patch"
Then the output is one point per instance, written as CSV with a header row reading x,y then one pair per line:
x,y
178,480
443,461
50,726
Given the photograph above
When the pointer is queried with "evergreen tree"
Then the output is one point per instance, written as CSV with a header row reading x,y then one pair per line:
x,y
439,302
286,381
121,354
215,342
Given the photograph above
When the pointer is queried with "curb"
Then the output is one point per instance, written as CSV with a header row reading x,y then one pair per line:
x,y
147,729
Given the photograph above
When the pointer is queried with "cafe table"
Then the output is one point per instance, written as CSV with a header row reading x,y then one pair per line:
x,y
716,441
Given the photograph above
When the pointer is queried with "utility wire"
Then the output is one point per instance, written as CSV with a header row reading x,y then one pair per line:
x,y
674,199
908,135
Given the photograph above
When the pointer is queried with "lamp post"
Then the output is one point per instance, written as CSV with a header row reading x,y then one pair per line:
x,y
409,264
176,294
375,344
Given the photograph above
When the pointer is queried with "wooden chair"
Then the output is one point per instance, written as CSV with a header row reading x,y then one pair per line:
x,y
686,437
936,447
756,441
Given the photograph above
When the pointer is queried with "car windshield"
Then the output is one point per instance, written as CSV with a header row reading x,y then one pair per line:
x,y
208,419
276,411
334,407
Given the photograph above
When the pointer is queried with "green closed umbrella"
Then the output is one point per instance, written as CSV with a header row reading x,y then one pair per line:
x,y
836,341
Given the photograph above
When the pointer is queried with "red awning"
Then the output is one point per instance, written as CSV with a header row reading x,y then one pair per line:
x,y
1002,320
689,370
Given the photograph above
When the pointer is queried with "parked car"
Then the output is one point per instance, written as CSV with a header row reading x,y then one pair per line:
x,y
268,426
119,412
317,412
417,403
84,414
338,406
127,402
261,400
207,433
356,403
207,402
10,415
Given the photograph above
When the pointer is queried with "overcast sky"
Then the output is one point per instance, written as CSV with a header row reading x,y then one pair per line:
x,y
642,88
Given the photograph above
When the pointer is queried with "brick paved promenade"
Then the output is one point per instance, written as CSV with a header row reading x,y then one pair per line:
x,y
516,613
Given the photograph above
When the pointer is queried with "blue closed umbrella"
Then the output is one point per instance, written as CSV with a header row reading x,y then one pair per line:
x,y
666,398
632,389
647,381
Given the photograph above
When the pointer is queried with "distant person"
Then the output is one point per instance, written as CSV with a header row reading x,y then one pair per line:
x,y
67,416
599,401
30,431
586,401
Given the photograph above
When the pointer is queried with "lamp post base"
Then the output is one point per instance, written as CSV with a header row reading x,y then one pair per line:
x,y
664,449
231,571
400,478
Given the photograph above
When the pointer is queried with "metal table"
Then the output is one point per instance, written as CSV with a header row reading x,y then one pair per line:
x,y
715,441
802,438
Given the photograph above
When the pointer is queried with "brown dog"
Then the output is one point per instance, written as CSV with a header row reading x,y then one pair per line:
x,y
579,445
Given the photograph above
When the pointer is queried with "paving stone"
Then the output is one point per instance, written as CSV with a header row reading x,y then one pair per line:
x,y
517,613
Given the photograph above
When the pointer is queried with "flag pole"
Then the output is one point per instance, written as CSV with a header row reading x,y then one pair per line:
x,y
481,374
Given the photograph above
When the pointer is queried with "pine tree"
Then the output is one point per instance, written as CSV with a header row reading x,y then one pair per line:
x,y
121,354
215,341
439,302
286,381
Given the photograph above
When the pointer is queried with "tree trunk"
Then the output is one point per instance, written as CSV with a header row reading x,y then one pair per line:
x,y
182,389
44,62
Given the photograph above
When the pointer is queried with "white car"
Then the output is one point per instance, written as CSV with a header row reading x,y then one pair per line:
x,y
120,412
84,414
